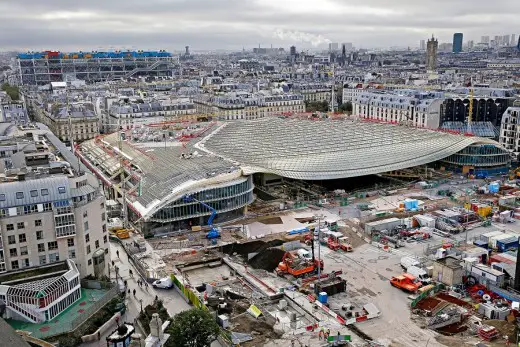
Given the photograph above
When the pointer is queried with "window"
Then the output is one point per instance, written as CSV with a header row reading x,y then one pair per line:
x,y
9,227
53,257
11,239
41,247
23,250
102,205
103,216
39,235
52,245
105,239
87,237
20,225
13,252
72,253
44,191
104,228
88,249
25,262
85,214
97,244
47,206
14,265
22,238
61,190
34,193
70,242
90,262
19,195
85,226
38,223
43,259
2,197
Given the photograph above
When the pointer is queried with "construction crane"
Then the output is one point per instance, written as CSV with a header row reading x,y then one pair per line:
x,y
213,232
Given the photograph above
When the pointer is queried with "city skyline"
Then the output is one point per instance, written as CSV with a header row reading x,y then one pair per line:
x,y
233,24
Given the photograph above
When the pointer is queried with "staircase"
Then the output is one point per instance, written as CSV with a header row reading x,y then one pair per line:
x,y
143,69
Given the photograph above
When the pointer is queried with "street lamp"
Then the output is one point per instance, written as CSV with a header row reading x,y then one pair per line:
x,y
141,301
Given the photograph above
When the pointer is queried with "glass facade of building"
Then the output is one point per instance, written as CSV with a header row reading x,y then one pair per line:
x,y
481,160
229,201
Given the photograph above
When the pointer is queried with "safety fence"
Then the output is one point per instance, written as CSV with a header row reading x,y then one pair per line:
x,y
434,289
225,337
188,293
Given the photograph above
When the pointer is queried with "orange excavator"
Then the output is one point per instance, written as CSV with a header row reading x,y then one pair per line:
x,y
297,266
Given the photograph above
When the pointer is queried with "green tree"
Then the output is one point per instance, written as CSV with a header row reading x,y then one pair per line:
x,y
316,106
12,91
192,328
346,107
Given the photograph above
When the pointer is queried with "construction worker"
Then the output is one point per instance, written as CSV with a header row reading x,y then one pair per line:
x,y
321,334
117,252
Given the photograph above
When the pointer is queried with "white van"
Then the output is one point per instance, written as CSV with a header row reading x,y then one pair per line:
x,y
163,283
420,274
406,262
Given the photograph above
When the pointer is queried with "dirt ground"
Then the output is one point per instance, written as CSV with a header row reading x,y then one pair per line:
x,y
273,220
258,328
355,240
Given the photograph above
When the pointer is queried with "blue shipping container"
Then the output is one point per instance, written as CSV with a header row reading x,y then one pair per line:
x,y
507,244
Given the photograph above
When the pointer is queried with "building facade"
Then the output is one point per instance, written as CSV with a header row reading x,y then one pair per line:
x,y
431,54
36,295
41,68
77,121
125,114
458,39
14,113
48,219
247,106
510,130
409,107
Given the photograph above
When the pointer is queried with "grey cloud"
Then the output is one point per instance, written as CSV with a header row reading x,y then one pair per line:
x,y
232,24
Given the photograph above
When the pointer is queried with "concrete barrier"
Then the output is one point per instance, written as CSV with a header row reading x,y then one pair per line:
x,y
102,329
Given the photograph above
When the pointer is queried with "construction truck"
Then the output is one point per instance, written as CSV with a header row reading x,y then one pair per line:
x,y
406,282
297,266
120,233
213,233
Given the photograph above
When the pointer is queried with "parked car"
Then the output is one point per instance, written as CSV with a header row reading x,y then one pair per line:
x,y
163,283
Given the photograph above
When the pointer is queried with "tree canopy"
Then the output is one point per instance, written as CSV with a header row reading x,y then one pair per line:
x,y
12,91
346,107
316,106
192,328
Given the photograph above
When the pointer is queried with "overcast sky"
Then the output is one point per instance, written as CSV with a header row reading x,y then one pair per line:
x,y
233,24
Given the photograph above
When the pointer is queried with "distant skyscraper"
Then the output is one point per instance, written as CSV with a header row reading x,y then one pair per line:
x,y
422,45
293,50
187,50
471,43
498,39
513,40
348,46
457,42
505,40
484,39
431,54
333,46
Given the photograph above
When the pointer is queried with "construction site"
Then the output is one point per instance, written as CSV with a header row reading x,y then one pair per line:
x,y
320,249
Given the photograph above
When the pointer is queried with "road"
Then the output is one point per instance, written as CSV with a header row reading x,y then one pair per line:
x,y
172,300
